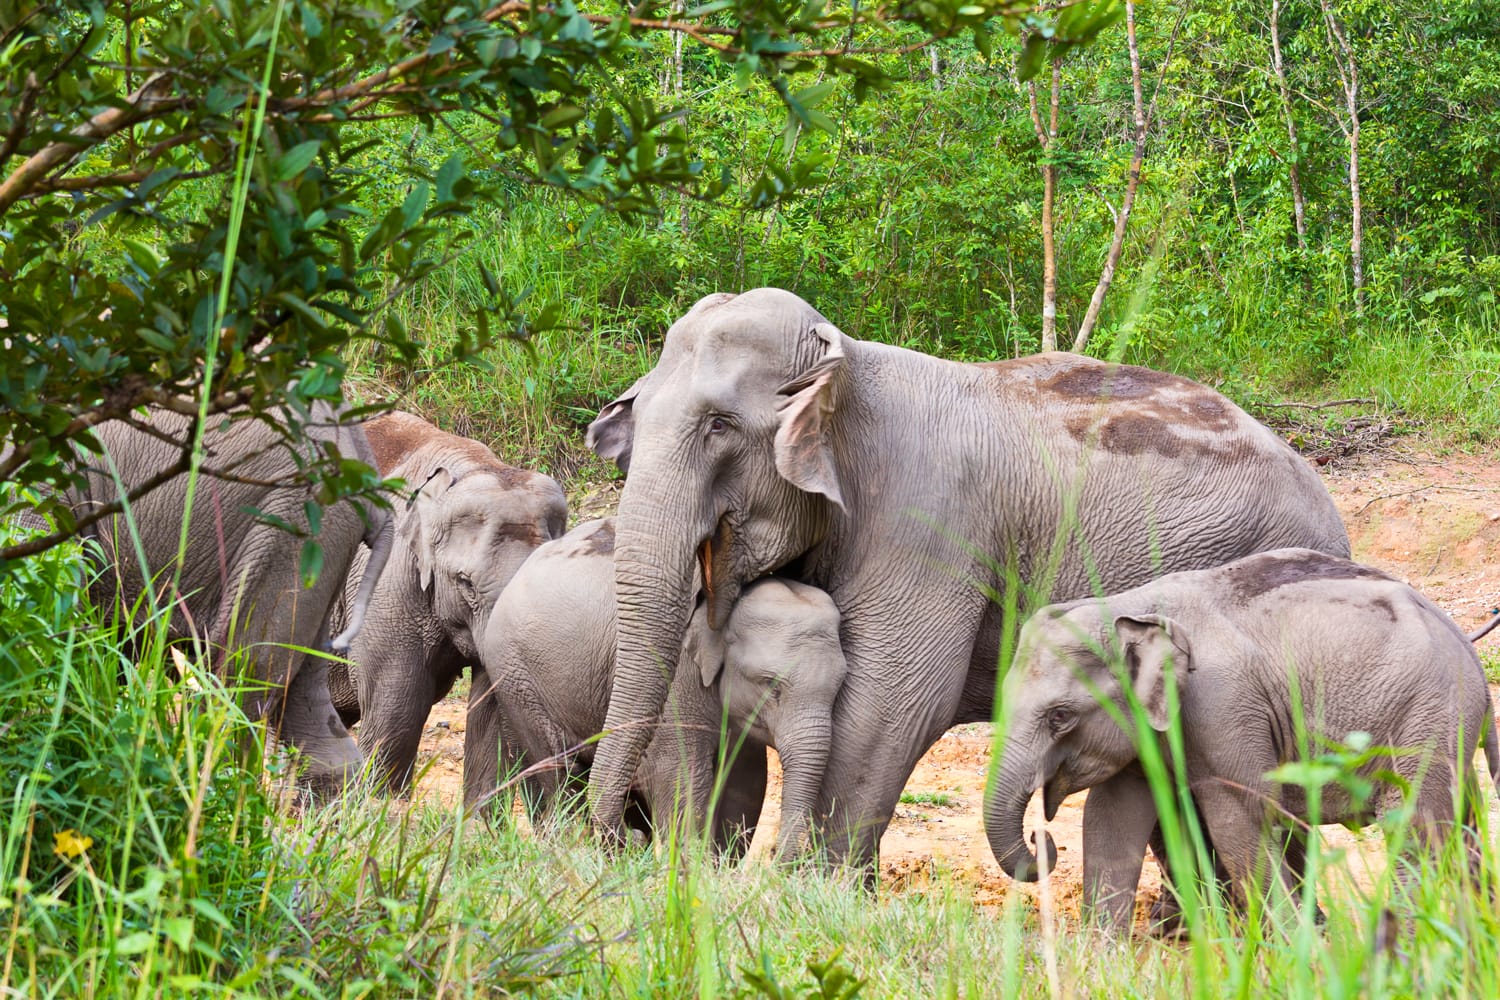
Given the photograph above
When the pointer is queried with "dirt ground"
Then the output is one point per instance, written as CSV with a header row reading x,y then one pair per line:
x,y
1432,521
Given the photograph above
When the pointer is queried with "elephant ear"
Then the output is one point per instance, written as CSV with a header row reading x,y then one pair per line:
x,y
804,456
1150,641
704,646
421,525
612,434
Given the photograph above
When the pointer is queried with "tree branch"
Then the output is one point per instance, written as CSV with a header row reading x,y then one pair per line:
x,y
32,546
143,104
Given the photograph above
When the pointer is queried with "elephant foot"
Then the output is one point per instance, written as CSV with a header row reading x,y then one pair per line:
x,y
1164,919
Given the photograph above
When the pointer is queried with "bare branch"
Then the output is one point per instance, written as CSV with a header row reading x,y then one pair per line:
x,y
22,120
32,546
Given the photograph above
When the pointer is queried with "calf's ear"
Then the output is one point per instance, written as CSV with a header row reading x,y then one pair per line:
x,y
1153,645
704,646
419,527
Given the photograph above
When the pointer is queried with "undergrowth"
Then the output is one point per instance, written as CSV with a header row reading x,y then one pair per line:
x,y
616,287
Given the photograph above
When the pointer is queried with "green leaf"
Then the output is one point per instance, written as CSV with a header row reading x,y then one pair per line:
x,y
561,116
1032,55
449,174
295,160
310,565
312,25
179,930
415,204
314,515
135,944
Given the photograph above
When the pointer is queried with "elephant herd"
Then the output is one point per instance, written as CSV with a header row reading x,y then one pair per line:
x,y
830,546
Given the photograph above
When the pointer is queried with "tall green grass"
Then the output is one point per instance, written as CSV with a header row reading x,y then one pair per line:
x,y
195,881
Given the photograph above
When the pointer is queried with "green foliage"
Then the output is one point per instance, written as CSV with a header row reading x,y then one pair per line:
x,y
831,980
940,799
131,273
136,826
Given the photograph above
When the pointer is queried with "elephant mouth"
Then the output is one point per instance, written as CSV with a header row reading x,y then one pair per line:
x,y
714,565
1053,793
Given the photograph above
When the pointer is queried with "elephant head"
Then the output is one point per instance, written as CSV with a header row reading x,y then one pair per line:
x,y
729,444
1063,694
466,536
779,666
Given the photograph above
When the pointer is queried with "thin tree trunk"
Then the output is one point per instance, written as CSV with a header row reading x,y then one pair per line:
x,y
1343,58
679,9
1299,205
937,77
1045,138
1132,181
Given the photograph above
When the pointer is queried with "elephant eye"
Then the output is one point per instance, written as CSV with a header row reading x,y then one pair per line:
x,y
718,425
465,581
1060,720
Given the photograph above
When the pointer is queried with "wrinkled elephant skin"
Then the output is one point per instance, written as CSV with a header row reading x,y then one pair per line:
x,y
773,672
241,585
910,489
1266,653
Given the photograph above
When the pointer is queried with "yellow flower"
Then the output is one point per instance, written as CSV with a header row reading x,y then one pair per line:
x,y
70,844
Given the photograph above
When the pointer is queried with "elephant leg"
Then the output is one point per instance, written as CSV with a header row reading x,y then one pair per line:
x,y
309,722
1252,855
741,796
391,730
880,733
1118,819
482,730
1166,912
272,618
1294,850
343,693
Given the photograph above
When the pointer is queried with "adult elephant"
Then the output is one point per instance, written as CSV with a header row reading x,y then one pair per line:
x,y
471,521
241,587
911,489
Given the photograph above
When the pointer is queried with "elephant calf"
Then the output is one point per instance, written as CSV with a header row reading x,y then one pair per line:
x,y
471,522
773,671
1366,652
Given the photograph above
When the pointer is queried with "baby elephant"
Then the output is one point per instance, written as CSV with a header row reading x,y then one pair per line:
x,y
773,671
1366,652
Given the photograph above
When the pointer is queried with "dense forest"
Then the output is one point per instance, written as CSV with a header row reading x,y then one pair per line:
x,y
1291,201
927,219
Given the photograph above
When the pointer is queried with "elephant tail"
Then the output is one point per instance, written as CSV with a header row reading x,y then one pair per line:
x,y
1484,629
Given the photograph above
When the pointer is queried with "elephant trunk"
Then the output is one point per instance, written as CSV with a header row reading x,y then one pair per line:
x,y
803,748
1005,818
654,587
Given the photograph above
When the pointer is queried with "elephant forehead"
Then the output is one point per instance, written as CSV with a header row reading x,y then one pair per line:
x,y
765,329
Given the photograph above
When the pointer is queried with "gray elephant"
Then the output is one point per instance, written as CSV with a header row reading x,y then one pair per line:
x,y
1366,653
471,522
241,587
772,671
911,490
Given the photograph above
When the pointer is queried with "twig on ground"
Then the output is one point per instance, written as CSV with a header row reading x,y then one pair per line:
x,y
1419,489
1328,405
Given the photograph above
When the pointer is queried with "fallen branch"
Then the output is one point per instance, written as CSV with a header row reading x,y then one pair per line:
x,y
1328,405
1421,489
